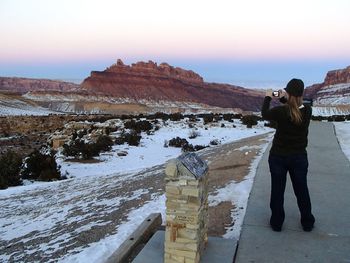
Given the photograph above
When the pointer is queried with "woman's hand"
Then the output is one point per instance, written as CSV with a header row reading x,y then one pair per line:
x,y
282,93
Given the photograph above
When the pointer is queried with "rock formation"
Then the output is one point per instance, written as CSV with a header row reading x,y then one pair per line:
x,y
335,90
152,82
331,97
337,76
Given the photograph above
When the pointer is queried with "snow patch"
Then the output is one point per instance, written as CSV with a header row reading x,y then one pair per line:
x,y
343,134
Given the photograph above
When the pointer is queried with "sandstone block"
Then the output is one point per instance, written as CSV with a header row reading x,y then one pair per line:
x,y
188,233
178,259
182,246
189,260
192,226
190,192
171,169
172,189
186,240
181,253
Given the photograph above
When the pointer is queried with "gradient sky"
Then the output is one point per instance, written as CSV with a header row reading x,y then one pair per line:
x,y
251,41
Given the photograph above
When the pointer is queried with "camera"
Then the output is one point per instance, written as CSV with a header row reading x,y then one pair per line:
x,y
275,93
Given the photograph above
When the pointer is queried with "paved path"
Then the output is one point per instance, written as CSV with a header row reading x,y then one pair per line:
x,y
329,185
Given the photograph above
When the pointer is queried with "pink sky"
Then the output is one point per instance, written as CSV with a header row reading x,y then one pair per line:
x,y
76,31
80,29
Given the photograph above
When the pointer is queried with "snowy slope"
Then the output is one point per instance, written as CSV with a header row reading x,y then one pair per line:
x,y
15,107
47,221
152,151
330,110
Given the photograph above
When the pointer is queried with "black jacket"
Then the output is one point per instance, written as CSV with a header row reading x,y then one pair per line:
x,y
289,137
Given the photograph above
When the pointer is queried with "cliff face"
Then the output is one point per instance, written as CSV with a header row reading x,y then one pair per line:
x,y
335,90
23,85
337,76
149,81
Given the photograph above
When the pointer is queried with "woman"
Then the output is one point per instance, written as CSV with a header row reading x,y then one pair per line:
x,y
288,152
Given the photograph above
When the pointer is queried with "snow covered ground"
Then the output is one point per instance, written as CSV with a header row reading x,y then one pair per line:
x,y
152,151
17,107
57,213
48,211
330,110
343,134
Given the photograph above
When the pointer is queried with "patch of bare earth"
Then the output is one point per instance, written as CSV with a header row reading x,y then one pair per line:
x,y
227,163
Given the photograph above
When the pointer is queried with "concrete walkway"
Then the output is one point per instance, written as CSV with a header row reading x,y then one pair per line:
x,y
329,186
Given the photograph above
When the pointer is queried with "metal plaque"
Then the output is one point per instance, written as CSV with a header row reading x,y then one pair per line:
x,y
194,164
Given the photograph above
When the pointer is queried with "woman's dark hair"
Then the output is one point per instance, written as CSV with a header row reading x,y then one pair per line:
x,y
293,105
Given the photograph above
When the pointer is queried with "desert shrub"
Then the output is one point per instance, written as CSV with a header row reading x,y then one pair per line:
x,y
250,120
199,147
40,166
178,142
317,118
102,119
104,143
80,149
10,167
190,148
132,138
339,118
192,118
109,130
138,126
160,115
183,144
237,116
214,142
336,118
207,118
187,148
81,133
193,134
177,116
217,117
228,117
73,148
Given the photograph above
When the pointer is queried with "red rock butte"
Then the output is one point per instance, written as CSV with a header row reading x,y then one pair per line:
x,y
149,81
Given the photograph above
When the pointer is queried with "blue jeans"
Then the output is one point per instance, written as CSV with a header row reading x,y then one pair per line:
x,y
297,166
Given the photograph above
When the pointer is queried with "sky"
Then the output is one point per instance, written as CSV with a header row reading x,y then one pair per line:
x,y
252,42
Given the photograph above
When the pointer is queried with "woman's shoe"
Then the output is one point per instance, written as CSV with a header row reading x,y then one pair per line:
x,y
308,228
276,228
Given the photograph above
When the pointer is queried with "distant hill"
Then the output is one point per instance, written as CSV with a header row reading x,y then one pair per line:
x,y
140,88
146,87
23,85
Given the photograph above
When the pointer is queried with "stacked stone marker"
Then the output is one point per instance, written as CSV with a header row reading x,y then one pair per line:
x,y
186,209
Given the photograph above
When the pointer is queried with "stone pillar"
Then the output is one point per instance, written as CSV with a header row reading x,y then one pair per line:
x,y
186,209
